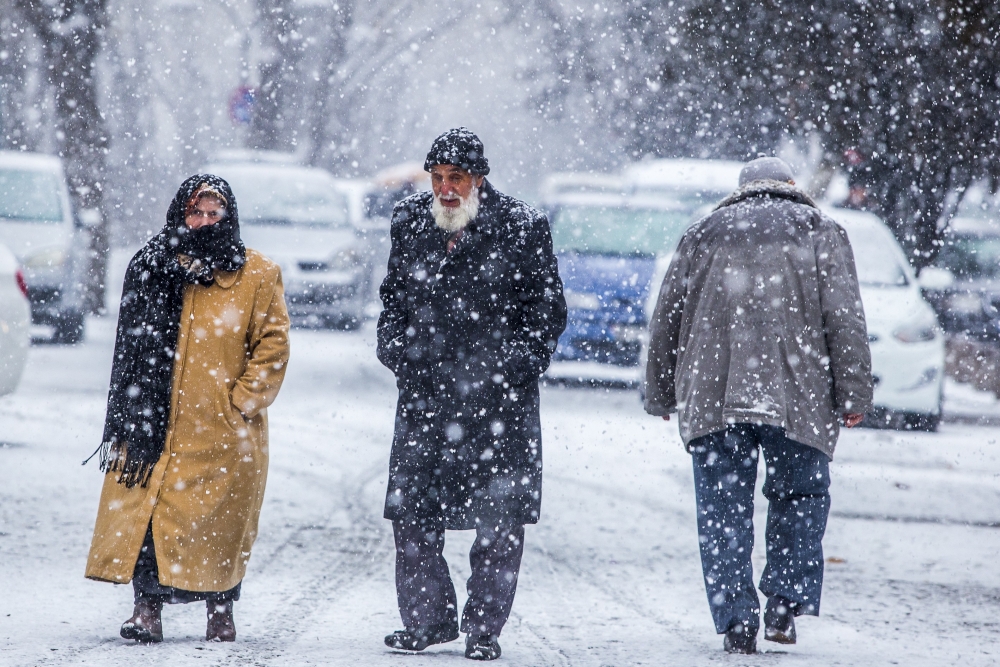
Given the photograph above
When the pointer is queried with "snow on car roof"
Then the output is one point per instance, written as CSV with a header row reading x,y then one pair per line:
x,y
615,200
975,226
30,161
283,172
685,173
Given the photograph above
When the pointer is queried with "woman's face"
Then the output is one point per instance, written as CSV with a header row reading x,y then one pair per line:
x,y
207,210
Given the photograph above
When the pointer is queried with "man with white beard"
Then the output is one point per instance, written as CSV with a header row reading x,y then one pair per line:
x,y
473,308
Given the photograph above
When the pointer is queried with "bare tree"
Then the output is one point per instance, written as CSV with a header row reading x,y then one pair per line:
x,y
72,33
910,90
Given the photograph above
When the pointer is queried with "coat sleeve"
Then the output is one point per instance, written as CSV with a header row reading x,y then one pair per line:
x,y
267,348
664,334
542,306
393,320
843,321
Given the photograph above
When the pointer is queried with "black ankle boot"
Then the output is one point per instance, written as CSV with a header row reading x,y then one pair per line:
x,y
779,620
419,638
482,647
740,639
145,625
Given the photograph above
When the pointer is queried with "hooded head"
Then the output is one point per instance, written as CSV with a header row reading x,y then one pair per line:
x,y
766,169
217,245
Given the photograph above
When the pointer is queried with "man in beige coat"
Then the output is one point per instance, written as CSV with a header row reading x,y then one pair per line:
x,y
201,352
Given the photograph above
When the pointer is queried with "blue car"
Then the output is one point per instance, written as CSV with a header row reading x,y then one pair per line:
x,y
611,250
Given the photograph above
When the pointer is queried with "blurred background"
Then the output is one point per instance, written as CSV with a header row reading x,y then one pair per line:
x,y
887,108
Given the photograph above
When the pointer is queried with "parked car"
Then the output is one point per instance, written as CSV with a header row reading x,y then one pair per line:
x,y
15,322
906,341
38,226
614,234
698,184
609,247
301,218
963,285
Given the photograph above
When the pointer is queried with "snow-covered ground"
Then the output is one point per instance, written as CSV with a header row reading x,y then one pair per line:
x,y
611,574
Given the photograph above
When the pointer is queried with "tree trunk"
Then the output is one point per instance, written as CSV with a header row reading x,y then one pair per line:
x,y
72,36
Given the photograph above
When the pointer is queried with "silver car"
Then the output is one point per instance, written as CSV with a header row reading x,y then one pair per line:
x,y
15,318
300,218
37,224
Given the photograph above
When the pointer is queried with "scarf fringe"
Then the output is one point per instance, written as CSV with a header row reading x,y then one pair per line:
x,y
114,458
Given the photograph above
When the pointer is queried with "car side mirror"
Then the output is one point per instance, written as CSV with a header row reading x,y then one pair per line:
x,y
935,278
88,218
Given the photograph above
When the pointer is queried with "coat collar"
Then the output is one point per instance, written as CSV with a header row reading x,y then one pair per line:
x,y
225,279
768,188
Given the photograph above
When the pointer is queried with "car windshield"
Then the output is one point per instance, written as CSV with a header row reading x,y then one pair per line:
x,y
971,257
30,195
276,198
611,230
877,265
691,200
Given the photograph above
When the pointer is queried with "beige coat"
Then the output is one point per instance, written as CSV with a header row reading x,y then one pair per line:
x,y
205,492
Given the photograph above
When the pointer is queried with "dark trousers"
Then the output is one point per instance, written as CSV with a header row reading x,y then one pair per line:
x,y
797,489
146,581
425,592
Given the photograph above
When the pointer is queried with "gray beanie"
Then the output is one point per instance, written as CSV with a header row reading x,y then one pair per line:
x,y
765,168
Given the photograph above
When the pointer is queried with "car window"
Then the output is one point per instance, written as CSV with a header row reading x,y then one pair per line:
x,y
690,200
617,230
979,204
971,256
30,195
273,198
877,263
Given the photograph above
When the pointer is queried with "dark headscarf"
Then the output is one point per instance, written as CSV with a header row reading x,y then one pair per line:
x,y
135,428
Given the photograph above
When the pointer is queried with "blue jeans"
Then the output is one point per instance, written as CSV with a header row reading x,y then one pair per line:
x,y
797,489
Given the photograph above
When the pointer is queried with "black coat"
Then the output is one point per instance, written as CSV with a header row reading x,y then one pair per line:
x,y
467,335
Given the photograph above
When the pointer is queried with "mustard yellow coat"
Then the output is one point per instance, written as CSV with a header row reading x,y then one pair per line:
x,y
205,492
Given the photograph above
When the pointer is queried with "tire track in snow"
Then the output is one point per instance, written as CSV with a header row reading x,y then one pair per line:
x,y
333,557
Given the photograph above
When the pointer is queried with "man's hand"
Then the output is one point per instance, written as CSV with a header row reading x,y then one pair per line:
x,y
852,419
666,418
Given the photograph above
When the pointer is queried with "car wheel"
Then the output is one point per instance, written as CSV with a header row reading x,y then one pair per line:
x,y
68,328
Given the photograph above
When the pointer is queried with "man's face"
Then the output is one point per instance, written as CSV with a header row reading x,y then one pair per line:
x,y
451,185
206,211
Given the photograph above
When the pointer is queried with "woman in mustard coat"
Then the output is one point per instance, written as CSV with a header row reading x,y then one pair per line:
x,y
200,353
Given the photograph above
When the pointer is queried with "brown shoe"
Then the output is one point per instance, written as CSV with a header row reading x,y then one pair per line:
x,y
145,625
221,627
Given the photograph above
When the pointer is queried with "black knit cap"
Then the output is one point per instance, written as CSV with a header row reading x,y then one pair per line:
x,y
459,147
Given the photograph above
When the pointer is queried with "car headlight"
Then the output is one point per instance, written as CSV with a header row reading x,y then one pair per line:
x,y
46,259
581,300
914,333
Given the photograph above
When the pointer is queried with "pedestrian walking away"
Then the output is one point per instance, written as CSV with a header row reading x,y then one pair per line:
x,y
758,342
473,308
200,354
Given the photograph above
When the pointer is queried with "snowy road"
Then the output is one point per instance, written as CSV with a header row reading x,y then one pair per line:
x,y
611,574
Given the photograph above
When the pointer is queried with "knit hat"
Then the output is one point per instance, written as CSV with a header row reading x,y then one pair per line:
x,y
461,148
766,169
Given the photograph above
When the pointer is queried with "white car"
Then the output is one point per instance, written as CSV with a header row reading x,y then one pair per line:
x,y
906,342
301,218
37,224
15,322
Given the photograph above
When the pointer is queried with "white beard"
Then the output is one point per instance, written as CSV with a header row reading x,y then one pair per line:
x,y
454,219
